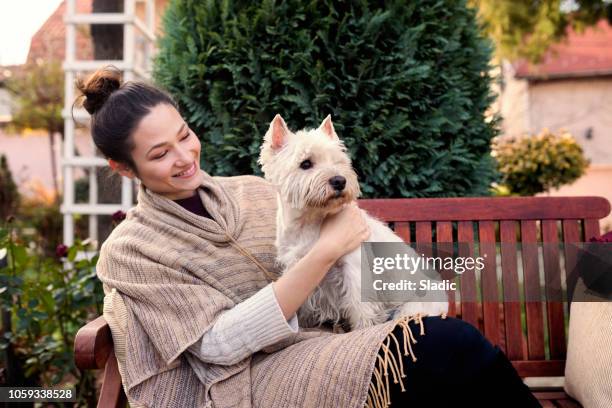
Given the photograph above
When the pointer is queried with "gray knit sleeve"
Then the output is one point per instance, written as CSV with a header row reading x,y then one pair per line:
x,y
246,328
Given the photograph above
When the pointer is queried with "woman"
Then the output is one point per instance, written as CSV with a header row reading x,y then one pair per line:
x,y
200,315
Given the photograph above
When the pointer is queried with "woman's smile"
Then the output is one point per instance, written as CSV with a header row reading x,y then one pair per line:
x,y
187,173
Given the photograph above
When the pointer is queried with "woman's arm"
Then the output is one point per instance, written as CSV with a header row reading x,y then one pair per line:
x,y
261,320
245,329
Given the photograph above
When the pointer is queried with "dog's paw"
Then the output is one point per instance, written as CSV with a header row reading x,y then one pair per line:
x,y
367,319
363,323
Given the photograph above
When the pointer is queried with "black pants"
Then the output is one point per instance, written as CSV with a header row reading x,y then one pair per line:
x,y
457,367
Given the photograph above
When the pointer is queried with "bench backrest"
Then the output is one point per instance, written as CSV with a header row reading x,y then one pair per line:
x,y
537,347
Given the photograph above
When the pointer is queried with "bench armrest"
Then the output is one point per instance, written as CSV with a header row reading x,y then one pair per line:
x,y
93,344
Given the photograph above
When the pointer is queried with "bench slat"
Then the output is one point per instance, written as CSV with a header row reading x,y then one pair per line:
x,y
469,307
556,399
402,229
487,208
554,307
541,368
568,403
444,236
512,307
550,395
444,231
591,228
571,235
488,276
423,231
533,309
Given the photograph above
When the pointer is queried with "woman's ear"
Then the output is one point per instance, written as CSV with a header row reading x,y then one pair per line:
x,y
121,168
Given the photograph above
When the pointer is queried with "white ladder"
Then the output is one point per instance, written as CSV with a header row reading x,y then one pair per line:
x,y
134,29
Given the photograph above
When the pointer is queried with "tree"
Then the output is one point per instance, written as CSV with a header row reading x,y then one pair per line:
x,y
39,96
407,85
527,28
9,195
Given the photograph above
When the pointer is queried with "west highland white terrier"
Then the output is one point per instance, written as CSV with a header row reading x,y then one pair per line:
x,y
314,178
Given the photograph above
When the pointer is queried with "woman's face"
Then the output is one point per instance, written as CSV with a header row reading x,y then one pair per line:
x,y
167,153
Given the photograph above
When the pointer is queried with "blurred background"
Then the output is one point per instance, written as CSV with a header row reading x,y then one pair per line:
x,y
434,98
550,70
549,75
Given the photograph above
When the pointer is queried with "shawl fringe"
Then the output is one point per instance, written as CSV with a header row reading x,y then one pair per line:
x,y
379,395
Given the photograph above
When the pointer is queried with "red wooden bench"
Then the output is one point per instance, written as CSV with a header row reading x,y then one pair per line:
x,y
536,219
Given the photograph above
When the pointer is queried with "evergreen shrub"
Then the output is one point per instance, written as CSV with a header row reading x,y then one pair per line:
x,y
407,84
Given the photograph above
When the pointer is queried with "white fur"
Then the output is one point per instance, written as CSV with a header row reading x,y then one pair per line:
x,y
305,198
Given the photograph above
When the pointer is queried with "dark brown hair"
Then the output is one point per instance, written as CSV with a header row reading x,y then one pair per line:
x,y
116,109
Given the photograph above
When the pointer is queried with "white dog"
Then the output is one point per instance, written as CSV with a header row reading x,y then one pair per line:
x,y
314,177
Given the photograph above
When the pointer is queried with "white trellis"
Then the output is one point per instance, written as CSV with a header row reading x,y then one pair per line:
x,y
134,29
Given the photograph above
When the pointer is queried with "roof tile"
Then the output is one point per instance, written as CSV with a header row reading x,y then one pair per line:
x,y
580,55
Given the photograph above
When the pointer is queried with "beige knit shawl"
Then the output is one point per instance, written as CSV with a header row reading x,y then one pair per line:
x,y
176,271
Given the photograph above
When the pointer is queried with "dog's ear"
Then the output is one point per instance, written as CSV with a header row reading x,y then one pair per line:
x,y
278,133
327,127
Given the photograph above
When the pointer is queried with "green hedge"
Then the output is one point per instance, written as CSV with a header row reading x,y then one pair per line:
x,y
407,85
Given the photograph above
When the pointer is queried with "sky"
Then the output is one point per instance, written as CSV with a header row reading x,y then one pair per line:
x,y
19,21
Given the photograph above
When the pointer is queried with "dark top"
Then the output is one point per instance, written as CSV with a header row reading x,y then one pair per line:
x,y
194,204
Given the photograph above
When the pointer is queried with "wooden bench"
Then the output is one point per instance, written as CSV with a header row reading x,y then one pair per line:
x,y
537,349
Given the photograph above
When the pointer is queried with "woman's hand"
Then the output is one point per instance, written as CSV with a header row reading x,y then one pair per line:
x,y
342,232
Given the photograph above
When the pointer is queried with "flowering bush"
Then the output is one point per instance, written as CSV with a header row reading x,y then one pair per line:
x,y
45,300
535,164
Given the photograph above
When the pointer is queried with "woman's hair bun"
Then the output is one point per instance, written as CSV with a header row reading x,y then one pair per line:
x,y
98,87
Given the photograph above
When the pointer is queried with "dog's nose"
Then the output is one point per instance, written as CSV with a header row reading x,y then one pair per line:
x,y
337,182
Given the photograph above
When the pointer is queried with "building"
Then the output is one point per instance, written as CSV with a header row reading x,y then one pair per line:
x,y
6,73
49,42
570,89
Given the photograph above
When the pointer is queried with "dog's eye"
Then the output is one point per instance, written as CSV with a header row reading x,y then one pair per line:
x,y
306,164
